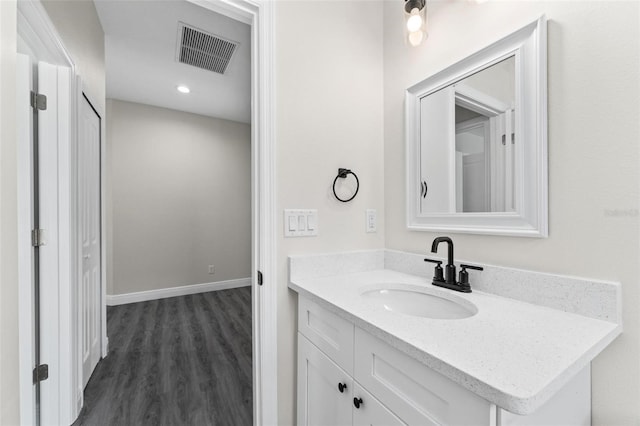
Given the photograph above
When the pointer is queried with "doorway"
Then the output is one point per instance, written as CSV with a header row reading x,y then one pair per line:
x,y
260,17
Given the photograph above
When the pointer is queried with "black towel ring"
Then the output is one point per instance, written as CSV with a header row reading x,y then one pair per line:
x,y
342,174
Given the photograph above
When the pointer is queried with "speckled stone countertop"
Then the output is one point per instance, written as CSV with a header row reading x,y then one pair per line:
x,y
512,353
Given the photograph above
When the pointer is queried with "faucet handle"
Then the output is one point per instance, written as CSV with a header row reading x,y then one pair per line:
x,y
438,274
464,275
477,268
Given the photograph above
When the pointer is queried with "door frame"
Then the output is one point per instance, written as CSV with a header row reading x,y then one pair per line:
x,y
39,32
260,15
36,31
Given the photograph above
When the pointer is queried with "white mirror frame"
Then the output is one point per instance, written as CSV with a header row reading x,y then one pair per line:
x,y
529,45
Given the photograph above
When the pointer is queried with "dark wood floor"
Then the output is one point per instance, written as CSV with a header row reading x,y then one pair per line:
x,y
179,361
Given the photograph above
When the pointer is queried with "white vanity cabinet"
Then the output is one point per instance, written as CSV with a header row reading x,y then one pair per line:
x,y
339,362
332,352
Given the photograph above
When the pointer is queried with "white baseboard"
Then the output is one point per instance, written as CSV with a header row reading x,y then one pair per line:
x,y
162,293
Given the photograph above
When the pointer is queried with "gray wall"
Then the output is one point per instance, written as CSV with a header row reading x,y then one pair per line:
x,y
181,197
594,181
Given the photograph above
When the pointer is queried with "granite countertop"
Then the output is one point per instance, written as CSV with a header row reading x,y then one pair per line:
x,y
511,353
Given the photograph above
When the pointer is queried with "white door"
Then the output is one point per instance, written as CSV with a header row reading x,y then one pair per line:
x,y
89,214
26,251
437,160
324,389
50,136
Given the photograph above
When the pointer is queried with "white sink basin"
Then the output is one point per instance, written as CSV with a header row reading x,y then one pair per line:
x,y
419,303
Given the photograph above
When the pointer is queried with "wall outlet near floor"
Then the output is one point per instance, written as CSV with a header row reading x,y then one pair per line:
x,y
212,270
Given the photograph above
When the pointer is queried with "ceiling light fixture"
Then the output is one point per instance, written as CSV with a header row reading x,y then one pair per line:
x,y
183,89
415,16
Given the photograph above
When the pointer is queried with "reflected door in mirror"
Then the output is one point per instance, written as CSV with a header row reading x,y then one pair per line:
x,y
467,137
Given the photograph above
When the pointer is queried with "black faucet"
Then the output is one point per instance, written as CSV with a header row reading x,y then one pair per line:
x,y
450,269
449,278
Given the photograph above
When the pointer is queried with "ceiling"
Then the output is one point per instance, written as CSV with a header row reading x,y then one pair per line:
x,y
140,49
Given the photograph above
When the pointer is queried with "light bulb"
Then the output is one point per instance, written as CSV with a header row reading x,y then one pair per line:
x,y
183,89
416,37
415,20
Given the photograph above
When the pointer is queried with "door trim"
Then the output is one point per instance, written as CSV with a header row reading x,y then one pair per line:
x,y
35,30
260,15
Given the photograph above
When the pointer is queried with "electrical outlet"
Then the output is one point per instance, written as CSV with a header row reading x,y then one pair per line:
x,y
371,225
211,270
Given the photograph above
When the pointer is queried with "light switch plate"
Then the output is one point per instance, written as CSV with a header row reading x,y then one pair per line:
x,y
300,222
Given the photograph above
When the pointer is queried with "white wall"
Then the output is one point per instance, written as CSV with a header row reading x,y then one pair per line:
x,y
9,399
329,115
594,105
181,197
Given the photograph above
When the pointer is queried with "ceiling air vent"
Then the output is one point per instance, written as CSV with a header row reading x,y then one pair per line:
x,y
204,50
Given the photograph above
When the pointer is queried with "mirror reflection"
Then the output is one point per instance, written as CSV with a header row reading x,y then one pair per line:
x,y
467,143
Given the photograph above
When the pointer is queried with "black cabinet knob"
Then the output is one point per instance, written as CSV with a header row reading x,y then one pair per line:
x,y
342,387
357,402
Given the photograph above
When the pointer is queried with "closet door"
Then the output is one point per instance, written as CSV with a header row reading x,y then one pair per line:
x,y
89,212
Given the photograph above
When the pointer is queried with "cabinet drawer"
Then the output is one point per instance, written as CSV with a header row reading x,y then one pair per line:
x,y
332,334
415,393
371,412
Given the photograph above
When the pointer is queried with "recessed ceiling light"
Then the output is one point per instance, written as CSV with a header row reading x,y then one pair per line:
x,y
183,89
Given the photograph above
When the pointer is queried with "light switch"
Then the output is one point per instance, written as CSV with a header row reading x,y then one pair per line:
x,y
293,223
311,222
300,222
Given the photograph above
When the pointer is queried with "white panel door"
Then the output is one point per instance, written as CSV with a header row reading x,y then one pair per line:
x,y
48,261
437,160
89,214
26,252
324,389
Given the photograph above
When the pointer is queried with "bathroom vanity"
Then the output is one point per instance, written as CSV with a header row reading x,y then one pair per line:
x,y
373,349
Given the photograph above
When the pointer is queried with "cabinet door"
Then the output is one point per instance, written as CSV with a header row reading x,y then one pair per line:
x,y
320,400
371,412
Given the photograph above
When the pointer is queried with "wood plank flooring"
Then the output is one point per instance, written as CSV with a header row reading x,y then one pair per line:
x,y
179,361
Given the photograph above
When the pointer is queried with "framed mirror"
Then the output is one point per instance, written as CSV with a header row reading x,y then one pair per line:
x,y
476,141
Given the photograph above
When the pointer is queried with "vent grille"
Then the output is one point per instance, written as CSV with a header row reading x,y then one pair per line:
x,y
204,50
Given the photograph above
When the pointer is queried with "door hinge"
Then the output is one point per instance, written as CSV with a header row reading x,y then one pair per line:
x,y
40,373
38,238
259,278
38,101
